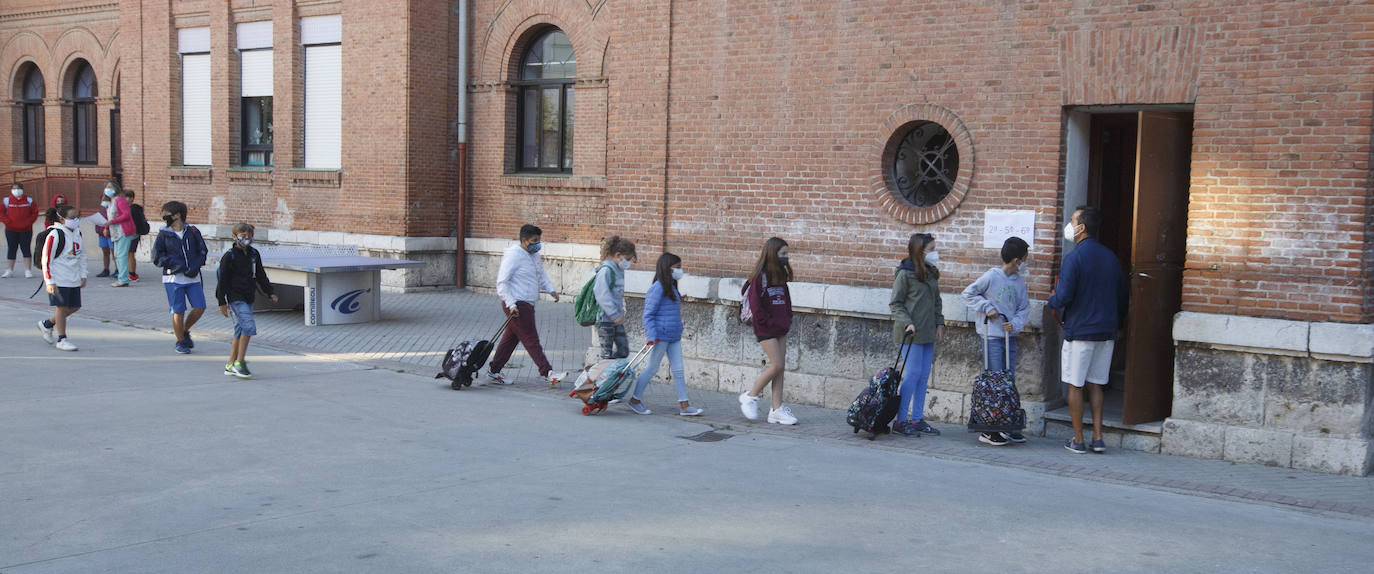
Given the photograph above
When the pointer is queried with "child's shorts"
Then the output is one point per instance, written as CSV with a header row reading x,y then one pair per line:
x,y
243,319
66,297
178,294
105,243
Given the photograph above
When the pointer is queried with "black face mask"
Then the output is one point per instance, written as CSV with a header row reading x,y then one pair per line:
x,y
169,219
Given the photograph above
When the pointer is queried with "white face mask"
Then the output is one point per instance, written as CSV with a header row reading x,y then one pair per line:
x,y
1069,231
677,274
933,258
16,192
109,192
104,204
624,264
73,223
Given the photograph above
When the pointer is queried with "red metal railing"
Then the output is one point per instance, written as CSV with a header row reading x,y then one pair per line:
x,y
82,185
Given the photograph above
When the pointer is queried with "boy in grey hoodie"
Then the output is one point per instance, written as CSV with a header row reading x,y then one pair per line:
x,y
1000,296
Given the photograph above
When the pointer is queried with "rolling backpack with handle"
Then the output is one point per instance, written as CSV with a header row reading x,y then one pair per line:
x,y
995,405
462,363
875,407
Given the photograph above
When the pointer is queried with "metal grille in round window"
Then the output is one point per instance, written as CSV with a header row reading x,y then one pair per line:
x,y
926,164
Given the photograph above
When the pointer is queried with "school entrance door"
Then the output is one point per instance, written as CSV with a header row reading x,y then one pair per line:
x,y
1137,172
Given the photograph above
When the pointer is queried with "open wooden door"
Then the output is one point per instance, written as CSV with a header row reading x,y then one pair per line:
x,y
1163,150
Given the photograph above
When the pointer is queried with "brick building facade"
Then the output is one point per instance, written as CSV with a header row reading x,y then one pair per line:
x,y
1228,142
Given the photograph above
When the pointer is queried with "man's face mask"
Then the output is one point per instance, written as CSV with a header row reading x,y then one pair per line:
x,y
534,247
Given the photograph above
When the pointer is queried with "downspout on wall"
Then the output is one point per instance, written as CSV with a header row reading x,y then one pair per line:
x,y
460,254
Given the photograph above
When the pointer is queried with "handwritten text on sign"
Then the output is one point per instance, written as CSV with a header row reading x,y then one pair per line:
x,y
999,224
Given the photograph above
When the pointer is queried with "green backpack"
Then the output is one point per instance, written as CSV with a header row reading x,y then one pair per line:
x,y
585,308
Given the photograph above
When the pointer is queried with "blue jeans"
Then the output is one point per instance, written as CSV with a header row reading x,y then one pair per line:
x,y
121,257
914,380
674,351
996,349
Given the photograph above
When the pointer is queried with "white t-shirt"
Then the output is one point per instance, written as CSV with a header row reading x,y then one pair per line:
x,y
180,278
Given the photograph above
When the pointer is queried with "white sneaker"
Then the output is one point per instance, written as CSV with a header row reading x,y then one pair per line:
x,y
749,406
28,274
556,377
47,333
65,345
690,412
7,274
496,378
782,416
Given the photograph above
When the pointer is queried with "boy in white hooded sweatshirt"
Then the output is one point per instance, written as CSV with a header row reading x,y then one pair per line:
x,y
64,274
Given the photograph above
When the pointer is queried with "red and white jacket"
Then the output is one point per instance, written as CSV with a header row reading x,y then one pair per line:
x,y
68,268
19,213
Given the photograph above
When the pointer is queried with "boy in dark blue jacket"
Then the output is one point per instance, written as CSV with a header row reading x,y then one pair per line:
x,y
180,251
1091,297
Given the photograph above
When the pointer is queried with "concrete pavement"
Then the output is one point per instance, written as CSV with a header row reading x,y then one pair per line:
x,y
125,458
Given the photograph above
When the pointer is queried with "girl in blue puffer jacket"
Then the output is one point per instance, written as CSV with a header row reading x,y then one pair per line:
x,y
663,330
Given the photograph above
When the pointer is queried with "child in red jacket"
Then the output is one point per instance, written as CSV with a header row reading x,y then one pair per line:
x,y
18,212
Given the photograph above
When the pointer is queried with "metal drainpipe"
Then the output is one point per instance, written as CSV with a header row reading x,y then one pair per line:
x,y
460,256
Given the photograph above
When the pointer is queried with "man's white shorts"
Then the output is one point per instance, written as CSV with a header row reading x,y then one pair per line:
x,y
1089,361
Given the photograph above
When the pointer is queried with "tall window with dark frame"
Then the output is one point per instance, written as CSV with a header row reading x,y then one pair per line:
x,y
256,108
545,119
32,102
84,148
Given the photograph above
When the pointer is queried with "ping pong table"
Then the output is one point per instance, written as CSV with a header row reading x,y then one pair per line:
x,y
338,286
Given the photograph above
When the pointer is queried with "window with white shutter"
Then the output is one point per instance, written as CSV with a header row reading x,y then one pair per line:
x,y
194,46
323,107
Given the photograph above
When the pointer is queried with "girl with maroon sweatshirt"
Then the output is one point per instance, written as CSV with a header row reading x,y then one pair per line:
x,y
771,304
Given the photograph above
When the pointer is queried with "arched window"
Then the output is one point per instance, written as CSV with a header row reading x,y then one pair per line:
x,y
545,120
83,115
31,98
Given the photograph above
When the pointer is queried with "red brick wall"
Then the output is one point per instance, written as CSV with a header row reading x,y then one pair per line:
x,y
773,115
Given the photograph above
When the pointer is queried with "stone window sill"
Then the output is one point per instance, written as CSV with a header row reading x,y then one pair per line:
x,y
249,175
526,183
315,177
190,174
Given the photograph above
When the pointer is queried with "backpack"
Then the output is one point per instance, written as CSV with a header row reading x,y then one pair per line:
x,y
42,236
746,311
585,308
140,222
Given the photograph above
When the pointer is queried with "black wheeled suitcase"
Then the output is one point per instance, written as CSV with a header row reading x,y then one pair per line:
x,y
462,363
875,407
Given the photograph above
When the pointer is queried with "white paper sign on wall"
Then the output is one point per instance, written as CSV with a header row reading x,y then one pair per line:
x,y
999,224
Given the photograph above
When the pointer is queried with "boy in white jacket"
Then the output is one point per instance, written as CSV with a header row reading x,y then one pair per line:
x,y
64,274
1000,296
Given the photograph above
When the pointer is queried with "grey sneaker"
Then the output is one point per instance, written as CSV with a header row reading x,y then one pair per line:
x,y
925,428
690,412
1098,446
639,408
1075,447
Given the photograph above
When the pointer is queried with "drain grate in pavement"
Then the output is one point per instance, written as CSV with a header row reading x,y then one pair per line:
x,y
708,436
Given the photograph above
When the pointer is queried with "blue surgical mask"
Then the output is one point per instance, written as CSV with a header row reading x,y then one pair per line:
x,y
534,247
677,274
624,264
109,192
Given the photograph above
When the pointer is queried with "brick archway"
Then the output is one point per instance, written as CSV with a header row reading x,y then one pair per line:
x,y
882,150
25,47
511,28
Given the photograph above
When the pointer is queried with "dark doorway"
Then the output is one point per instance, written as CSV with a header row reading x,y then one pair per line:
x,y
1138,168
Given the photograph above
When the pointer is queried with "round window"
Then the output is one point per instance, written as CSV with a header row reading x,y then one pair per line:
x,y
925,165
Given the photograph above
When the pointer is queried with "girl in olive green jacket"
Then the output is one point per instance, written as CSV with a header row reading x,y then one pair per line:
x,y
917,314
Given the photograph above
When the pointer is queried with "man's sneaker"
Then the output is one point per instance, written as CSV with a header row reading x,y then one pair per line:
x,y
782,416
924,428
228,369
182,348
749,406
1075,447
240,369
1098,446
28,274
65,345
7,274
496,378
639,408
690,412
1015,437
133,277
556,377
47,333
188,342
993,438
119,284
105,273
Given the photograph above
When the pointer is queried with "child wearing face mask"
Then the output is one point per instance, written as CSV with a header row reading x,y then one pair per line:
x,y
180,251
122,233
240,276
609,288
771,303
64,274
1000,295
917,313
103,233
663,330
18,212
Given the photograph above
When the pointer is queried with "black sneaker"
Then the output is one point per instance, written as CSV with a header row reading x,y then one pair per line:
x,y
924,428
993,438
1015,437
105,273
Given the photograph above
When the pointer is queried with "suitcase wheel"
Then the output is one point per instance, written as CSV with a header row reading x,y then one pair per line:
x,y
586,409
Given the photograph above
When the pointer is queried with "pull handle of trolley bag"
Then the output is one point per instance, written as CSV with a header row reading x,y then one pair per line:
x,y
903,352
987,339
497,337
